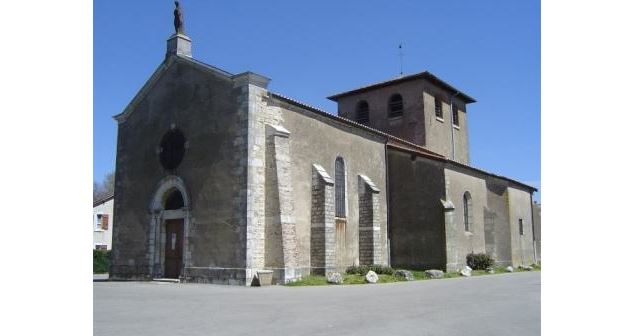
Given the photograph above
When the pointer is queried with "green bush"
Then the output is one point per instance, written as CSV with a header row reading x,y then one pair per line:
x,y
479,261
362,270
101,261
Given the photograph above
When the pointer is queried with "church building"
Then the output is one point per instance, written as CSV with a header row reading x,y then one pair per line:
x,y
218,178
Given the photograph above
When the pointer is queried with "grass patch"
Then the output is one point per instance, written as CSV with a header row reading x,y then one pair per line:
x,y
349,279
357,279
311,280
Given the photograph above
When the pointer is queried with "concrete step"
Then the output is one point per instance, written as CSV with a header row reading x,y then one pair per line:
x,y
167,280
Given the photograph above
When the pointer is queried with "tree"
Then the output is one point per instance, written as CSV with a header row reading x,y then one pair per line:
x,y
105,188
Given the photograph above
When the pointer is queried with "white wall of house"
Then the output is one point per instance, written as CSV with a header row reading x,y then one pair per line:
x,y
102,236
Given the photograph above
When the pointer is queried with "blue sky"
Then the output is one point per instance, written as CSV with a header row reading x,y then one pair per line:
x,y
313,49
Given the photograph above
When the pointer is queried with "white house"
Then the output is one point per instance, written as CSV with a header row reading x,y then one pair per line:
x,y
102,223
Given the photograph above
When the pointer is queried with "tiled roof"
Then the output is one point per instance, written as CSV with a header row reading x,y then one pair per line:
x,y
425,75
103,199
391,140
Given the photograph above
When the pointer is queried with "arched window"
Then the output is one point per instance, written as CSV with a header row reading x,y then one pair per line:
x,y
467,211
395,106
455,115
340,188
438,107
361,112
174,201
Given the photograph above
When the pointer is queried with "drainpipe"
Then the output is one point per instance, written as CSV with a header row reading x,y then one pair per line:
x,y
387,193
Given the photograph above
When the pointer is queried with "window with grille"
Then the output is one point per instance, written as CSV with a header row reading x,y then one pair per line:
x,y
97,223
395,106
340,188
438,107
467,211
455,115
520,227
361,113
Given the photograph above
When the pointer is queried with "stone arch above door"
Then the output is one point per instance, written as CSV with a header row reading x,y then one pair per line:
x,y
163,190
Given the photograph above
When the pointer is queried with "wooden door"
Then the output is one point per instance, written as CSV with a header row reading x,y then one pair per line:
x,y
173,248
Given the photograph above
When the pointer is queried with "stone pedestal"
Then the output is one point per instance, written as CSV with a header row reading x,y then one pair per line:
x,y
179,44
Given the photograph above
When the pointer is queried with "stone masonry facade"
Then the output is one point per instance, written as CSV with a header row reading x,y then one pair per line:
x,y
256,186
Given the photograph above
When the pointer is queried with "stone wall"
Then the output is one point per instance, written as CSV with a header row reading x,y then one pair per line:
x,y
317,139
497,202
520,208
537,213
370,244
418,123
507,204
417,219
207,106
322,222
461,242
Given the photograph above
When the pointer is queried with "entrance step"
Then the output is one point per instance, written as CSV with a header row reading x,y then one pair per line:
x,y
167,280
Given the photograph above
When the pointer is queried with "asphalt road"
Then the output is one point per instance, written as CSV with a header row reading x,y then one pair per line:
x,y
502,304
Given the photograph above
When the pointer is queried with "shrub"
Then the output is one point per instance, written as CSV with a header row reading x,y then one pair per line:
x,y
479,261
362,270
101,261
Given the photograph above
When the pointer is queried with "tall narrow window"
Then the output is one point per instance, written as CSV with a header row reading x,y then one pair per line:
x,y
455,115
361,113
438,108
520,227
467,211
395,106
340,188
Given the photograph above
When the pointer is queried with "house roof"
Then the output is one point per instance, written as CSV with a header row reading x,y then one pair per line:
x,y
371,130
103,199
457,164
391,141
398,143
421,75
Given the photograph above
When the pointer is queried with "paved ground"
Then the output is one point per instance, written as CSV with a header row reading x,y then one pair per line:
x,y
505,304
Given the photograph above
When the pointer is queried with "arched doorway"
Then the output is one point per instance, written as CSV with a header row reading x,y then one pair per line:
x,y
168,239
173,262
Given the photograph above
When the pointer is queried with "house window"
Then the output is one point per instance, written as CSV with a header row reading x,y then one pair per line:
x,y
361,112
101,222
520,227
340,188
455,115
395,106
438,107
467,211
97,224
101,247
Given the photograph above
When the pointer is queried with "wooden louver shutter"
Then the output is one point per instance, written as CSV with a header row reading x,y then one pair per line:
x,y
104,222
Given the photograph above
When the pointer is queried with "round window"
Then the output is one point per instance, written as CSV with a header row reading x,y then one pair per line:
x,y
172,149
